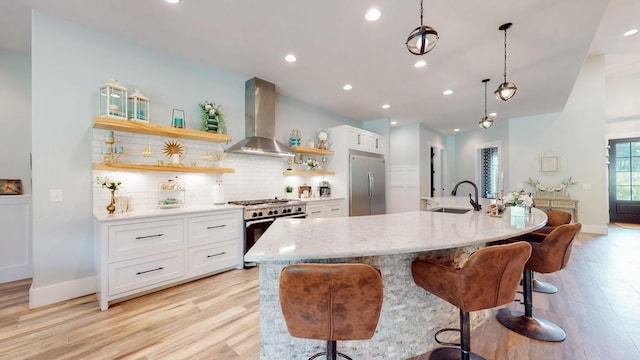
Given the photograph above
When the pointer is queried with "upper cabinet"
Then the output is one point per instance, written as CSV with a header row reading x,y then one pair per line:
x,y
359,139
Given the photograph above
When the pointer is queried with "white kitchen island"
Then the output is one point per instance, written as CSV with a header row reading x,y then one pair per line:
x,y
390,242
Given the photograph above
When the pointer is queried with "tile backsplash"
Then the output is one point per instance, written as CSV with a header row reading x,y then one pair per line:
x,y
255,177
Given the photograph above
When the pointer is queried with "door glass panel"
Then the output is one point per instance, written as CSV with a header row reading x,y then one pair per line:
x,y
635,193
623,178
635,149
623,150
623,192
623,164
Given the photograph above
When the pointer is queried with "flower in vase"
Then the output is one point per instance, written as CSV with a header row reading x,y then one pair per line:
x,y
312,164
518,198
108,183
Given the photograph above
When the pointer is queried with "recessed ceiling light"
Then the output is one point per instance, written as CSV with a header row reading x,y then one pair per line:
x,y
420,63
290,58
631,32
372,15
393,122
172,2
347,87
447,92
386,106
456,130
493,114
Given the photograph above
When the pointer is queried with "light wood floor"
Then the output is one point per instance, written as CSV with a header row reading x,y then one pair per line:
x,y
598,305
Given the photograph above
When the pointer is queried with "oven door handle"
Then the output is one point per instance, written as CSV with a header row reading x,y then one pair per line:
x,y
253,222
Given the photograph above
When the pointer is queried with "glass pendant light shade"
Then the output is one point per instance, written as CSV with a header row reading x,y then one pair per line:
x,y
422,39
506,90
486,121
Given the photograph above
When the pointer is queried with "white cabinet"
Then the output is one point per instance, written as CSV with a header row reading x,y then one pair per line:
x,y
363,140
326,208
15,238
140,255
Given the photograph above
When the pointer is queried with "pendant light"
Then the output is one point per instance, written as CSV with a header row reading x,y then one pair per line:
x,y
486,121
506,90
422,39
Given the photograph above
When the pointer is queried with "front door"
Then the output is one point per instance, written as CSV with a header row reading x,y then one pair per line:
x,y
624,180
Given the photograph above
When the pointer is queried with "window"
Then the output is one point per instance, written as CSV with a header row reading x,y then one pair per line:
x,y
489,169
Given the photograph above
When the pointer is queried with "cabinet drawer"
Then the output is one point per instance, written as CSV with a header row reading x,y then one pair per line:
x,y
210,258
214,228
145,238
135,274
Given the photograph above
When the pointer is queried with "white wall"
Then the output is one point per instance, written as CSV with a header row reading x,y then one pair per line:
x,y
623,104
69,63
577,135
15,102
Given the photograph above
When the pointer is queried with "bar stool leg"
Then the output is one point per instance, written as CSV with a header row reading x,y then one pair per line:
x,y
540,286
525,323
464,351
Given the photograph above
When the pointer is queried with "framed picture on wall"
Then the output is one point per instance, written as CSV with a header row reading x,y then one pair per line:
x,y
549,164
10,187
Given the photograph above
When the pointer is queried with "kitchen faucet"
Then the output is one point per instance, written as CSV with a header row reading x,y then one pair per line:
x,y
476,205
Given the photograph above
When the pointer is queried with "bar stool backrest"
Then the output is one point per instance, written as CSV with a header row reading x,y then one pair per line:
x,y
331,301
552,254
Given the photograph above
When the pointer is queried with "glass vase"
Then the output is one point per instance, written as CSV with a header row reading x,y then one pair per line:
x,y
111,208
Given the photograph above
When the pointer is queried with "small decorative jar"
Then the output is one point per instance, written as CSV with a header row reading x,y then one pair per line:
x,y
138,107
113,100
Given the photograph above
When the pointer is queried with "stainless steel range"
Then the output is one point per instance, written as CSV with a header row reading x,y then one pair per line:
x,y
260,214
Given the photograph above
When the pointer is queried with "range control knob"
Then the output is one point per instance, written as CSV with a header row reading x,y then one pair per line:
x,y
299,209
260,213
275,212
270,212
254,214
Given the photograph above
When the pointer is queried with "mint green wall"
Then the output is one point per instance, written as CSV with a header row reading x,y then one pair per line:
x,y
69,63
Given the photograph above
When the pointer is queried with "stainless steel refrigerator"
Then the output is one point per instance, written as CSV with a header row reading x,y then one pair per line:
x,y
366,184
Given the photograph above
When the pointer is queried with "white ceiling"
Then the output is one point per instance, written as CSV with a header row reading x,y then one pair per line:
x,y
334,44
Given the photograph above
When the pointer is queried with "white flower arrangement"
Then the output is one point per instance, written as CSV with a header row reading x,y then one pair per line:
x,y
518,198
323,135
312,164
108,183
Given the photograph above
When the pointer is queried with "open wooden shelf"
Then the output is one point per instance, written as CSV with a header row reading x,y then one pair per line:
x,y
153,129
310,151
307,172
164,168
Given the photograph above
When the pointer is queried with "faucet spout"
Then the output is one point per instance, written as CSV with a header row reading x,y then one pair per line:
x,y
475,203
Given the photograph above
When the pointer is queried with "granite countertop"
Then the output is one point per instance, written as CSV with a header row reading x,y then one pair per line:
x,y
408,232
164,212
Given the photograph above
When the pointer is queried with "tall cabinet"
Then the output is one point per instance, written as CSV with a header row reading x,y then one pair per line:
x,y
348,141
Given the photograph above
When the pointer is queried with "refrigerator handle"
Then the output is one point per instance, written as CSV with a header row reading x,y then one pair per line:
x,y
371,184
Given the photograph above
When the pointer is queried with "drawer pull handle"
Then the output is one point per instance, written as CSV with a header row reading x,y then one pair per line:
x,y
148,236
215,227
316,212
148,271
335,209
218,254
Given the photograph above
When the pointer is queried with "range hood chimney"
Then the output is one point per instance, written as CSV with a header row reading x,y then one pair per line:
x,y
260,121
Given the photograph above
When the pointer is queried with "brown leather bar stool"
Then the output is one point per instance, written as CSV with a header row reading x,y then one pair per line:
x,y
555,218
331,302
550,255
489,278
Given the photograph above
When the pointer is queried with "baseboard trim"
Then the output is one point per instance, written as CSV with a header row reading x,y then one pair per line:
x,y
51,294
595,229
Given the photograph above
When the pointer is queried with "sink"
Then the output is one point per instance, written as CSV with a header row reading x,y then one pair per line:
x,y
450,210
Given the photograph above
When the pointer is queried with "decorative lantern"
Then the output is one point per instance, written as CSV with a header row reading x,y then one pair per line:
x,y
113,100
138,107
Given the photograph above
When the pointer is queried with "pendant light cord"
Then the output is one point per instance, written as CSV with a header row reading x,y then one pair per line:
x,y
421,10
485,99
505,55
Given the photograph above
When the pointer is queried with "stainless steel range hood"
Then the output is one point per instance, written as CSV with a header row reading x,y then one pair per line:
x,y
260,121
